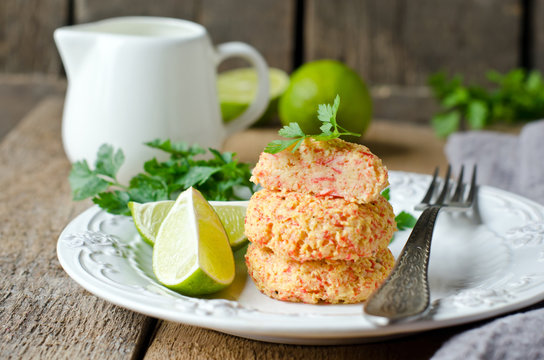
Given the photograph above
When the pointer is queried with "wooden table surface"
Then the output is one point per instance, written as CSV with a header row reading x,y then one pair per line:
x,y
45,314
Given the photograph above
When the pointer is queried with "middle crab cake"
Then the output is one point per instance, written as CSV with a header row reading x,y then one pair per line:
x,y
303,227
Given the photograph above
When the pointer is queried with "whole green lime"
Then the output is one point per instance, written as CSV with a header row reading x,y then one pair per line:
x,y
318,82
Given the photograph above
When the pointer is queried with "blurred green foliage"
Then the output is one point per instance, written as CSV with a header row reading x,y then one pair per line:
x,y
514,97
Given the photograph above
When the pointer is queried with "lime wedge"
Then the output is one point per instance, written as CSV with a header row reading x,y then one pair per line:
x,y
192,254
232,217
148,218
237,88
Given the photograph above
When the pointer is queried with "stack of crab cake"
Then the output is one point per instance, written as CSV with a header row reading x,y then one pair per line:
x,y
319,229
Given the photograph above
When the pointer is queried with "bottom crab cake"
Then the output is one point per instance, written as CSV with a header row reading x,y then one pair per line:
x,y
305,227
327,281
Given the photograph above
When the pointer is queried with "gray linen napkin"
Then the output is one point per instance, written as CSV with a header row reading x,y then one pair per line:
x,y
515,337
514,163
510,162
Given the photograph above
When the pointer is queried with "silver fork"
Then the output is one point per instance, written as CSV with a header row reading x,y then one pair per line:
x,y
405,293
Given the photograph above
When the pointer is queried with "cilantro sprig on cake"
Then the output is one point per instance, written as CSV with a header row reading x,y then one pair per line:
x,y
295,136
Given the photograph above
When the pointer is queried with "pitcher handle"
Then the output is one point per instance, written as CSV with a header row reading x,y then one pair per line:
x,y
260,103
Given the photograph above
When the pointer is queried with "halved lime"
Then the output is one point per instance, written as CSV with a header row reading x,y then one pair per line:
x,y
237,89
148,218
192,254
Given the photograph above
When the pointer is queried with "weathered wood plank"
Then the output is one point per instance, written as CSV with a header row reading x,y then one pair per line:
x,y
20,93
266,25
26,35
43,313
92,10
413,104
537,34
175,341
400,42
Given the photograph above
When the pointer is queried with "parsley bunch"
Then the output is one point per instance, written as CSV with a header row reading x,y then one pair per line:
x,y
514,97
329,130
216,178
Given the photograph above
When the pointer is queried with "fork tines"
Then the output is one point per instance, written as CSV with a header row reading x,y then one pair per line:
x,y
445,197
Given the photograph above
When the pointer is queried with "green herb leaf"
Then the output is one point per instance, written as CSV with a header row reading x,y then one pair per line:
x,y
108,162
276,146
114,202
145,188
446,123
330,129
197,175
327,113
292,130
457,97
386,194
477,113
177,150
84,182
326,128
405,221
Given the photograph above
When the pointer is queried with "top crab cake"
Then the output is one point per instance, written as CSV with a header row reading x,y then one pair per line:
x,y
324,168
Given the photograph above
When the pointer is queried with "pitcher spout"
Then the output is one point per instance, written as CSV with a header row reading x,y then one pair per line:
x,y
73,46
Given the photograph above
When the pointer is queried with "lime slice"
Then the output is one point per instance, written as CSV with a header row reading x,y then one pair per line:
x,y
148,218
237,88
232,217
192,254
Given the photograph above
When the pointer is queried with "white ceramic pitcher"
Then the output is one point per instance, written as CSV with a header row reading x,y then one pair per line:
x,y
134,79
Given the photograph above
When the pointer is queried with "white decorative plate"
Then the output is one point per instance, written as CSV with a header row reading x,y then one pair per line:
x,y
478,269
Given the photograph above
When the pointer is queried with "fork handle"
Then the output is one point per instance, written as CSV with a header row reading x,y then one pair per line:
x,y
405,292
